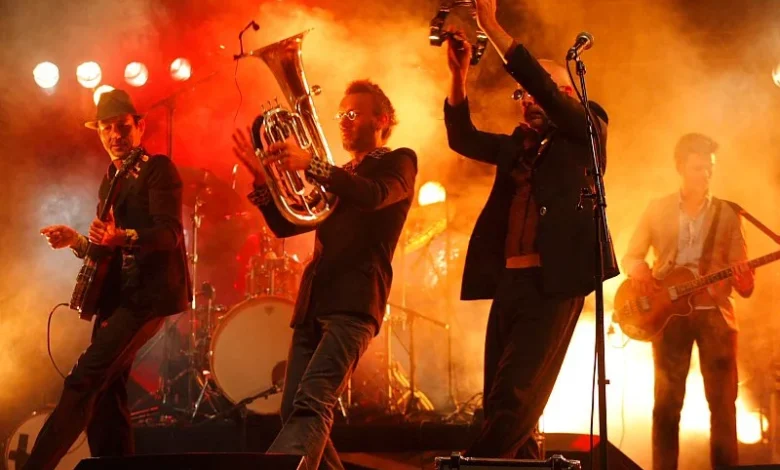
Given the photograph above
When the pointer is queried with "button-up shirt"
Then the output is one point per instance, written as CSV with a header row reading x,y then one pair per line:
x,y
690,241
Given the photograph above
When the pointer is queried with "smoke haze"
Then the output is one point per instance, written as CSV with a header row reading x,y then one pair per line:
x,y
659,68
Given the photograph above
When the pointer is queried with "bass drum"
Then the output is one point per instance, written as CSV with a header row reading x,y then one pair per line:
x,y
248,351
18,447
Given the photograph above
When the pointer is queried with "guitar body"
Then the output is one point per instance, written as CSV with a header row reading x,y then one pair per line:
x,y
93,273
89,282
642,317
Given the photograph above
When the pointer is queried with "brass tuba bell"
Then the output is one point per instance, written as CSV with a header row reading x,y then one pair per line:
x,y
298,204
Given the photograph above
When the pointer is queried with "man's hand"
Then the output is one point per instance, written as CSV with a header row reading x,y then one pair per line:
x,y
106,233
486,19
744,278
486,13
290,155
60,236
642,278
458,53
244,151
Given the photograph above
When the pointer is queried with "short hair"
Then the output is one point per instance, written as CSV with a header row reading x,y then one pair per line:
x,y
693,142
382,104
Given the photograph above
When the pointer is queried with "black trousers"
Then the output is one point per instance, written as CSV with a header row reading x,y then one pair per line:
x,y
528,335
95,395
324,352
718,358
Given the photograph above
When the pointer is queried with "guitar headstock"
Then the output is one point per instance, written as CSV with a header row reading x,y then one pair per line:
x,y
130,161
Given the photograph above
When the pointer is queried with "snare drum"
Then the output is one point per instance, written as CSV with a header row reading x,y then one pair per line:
x,y
248,351
18,447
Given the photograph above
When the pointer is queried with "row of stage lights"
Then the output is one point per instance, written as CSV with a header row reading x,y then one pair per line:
x,y
89,75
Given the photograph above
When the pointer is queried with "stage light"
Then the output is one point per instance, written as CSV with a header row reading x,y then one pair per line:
x,y
136,74
431,192
181,69
750,426
46,75
776,75
99,91
89,74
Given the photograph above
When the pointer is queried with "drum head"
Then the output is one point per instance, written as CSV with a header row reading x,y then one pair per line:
x,y
18,447
249,351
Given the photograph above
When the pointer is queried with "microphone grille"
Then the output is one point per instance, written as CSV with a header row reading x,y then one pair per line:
x,y
588,40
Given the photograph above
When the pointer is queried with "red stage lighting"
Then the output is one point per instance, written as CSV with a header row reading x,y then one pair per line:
x,y
181,69
136,74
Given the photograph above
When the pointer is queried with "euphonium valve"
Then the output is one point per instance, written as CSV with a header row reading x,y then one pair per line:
x,y
302,202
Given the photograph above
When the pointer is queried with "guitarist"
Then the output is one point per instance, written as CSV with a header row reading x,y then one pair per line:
x,y
147,280
689,228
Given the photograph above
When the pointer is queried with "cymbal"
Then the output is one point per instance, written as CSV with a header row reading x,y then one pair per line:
x,y
216,198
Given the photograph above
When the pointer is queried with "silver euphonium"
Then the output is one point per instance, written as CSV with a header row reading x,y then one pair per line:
x,y
298,204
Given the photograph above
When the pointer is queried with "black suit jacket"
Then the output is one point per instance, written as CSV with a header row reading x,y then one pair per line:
x,y
150,202
351,270
566,237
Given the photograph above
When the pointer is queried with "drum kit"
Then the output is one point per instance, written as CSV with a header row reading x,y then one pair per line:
x,y
212,357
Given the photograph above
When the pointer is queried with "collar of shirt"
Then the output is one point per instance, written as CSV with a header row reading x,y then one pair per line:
x,y
702,209
351,165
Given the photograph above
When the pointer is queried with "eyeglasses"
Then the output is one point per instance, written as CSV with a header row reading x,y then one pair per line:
x,y
351,115
520,93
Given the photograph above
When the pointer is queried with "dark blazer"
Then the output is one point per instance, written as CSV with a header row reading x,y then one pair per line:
x,y
566,237
150,202
351,270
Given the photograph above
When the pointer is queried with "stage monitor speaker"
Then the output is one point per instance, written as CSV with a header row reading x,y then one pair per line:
x,y
194,461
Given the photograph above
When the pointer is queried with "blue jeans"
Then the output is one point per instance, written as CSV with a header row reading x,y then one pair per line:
x,y
324,352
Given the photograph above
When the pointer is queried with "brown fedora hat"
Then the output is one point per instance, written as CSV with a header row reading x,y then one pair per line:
x,y
112,104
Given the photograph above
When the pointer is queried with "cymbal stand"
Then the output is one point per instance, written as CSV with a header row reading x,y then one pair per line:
x,y
416,399
195,370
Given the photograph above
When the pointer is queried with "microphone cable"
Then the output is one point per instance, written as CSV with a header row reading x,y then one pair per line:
x,y
48,338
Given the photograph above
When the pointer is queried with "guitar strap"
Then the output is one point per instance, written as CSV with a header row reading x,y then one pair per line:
x,y
708,250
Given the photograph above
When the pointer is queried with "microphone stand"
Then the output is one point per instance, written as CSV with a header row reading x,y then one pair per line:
x,y
600,219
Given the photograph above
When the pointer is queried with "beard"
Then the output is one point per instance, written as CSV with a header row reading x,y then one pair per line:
x,y
536,119
361,138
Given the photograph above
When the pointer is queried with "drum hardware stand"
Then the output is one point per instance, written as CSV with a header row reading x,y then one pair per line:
x,y
193,371
416,399
160,396
242,405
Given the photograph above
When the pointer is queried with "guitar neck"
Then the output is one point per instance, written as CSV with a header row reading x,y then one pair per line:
x,y
705,281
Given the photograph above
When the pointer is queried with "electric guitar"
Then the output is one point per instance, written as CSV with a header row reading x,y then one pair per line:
x,y
642,317
92,275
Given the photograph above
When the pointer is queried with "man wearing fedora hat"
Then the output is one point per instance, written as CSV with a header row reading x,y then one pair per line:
x,y
148,280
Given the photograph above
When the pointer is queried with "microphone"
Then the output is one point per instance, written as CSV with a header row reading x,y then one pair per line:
x,y
252,25
583,42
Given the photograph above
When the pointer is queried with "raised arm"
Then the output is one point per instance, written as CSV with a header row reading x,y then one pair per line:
x,y
566,112
462,136
393,181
